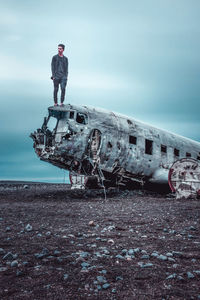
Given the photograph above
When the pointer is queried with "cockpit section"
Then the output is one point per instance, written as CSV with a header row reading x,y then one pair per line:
x,y
61,128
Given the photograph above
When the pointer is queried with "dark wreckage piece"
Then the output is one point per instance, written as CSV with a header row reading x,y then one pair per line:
x,y
109,148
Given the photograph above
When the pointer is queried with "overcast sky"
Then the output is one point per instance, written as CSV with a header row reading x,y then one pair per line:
x,y
139,57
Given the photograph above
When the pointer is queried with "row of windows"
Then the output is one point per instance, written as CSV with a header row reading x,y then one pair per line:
x,y
149,147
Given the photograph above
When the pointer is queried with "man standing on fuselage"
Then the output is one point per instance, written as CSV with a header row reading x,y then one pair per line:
x,y
59,68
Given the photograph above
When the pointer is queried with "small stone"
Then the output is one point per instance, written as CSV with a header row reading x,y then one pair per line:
x,y
57,252
119,256
154,254
162,257
2,251
103,272
65,276
142,265
110,241
91,223
129,258
136,250
2,269
130,251
14,263
84,254
39,234
114,291
171,259
190,275
177,253
19,273
118,278
169,254
192,228
146,256
8,228
180,278
190,236
28,227
144,252
106,286
101,279
25,186
85,265
197,272
48,233
124,251
98,287
172,276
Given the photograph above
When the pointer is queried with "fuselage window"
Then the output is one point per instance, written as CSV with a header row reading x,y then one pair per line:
x,y
129,122
148,147
51,124
81,118
188,154
71,115
132,140
163,148
109,145
176,152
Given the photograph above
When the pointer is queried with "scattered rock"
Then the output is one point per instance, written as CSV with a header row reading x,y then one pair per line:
x,y
2,251
162,257
19,273
106,286
101,279
143,265
28,227
14,263
130,251
65,276
91,223
85,265
146,256
190,275
118,278
2,269
172,276
110,241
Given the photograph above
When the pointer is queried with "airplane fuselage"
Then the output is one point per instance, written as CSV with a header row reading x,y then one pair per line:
x,y
92,141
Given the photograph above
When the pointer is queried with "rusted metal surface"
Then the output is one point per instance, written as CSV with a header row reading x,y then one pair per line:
x,y
184,178
116,149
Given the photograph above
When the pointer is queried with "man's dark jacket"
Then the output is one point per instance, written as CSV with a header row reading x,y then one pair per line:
x,y
55,62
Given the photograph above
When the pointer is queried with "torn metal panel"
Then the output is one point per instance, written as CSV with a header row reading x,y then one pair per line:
x,y
115,148
184,178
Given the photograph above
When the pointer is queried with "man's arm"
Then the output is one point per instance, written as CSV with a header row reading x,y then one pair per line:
x,y
53,67
67,67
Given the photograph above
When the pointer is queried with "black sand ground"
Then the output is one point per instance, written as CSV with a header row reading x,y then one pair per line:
x,y
61,244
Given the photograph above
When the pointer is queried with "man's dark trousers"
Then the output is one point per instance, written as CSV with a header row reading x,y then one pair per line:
x,y
62,82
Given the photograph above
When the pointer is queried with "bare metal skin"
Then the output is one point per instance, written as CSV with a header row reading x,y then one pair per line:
x,y
117,149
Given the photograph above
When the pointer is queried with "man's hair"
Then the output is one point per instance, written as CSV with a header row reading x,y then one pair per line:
x,y
61,45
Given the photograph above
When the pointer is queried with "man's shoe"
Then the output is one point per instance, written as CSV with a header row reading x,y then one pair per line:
x,y
55,104
61,104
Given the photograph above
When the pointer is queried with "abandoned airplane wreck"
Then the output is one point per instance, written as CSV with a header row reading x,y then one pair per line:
x,y
114,149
